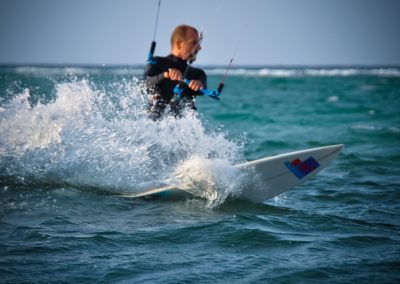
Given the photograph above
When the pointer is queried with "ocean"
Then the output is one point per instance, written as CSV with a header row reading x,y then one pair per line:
x,y
73,139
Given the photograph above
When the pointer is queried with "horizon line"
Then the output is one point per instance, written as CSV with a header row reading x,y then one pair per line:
x,y
252,66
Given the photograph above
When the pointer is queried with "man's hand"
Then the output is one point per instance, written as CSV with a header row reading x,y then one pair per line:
x,y
176,75
195,85
173,74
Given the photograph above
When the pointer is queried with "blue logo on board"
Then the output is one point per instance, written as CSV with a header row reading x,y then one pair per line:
x,y
301,169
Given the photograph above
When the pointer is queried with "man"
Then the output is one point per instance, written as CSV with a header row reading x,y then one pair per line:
x,y
165,73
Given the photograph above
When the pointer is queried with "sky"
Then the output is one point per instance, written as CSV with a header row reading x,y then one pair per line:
x,y
254,32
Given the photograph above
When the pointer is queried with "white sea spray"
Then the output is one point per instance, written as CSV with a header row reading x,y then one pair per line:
x,y
100,136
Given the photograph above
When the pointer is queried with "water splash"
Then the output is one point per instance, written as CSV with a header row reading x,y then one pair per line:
x,y
212,179
98,135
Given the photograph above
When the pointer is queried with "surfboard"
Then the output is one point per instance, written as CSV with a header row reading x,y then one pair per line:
x,y
270,176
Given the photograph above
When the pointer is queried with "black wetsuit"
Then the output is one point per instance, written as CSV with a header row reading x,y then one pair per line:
x,y
163,89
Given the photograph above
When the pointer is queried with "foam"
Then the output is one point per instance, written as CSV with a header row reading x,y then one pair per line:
x,y
310,72
213,179
44,71
93,135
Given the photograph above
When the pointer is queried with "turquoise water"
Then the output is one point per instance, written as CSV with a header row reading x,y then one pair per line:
x,y
72,139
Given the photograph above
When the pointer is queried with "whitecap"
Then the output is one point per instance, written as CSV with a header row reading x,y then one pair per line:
x,y
333,99
212,179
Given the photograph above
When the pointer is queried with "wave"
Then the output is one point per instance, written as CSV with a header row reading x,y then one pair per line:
x,y
137,70
307,72
100,136
43,71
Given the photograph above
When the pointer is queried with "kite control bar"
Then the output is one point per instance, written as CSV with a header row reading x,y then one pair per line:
x,y
214,94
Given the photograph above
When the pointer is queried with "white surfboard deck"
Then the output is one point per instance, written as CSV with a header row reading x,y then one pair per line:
x,y
271,176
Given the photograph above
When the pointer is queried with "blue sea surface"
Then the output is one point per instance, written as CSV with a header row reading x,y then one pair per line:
x,y
73,139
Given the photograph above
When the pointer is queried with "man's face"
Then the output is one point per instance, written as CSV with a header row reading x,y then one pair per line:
x,y
192,45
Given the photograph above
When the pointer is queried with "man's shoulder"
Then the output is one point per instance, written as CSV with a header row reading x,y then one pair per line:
x,y
162,60
158,65
196,68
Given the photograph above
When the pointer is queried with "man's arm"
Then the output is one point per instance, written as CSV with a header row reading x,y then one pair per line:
x,y
153,74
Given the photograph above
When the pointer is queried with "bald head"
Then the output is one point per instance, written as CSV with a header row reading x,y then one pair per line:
x,y
182,33
185,42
